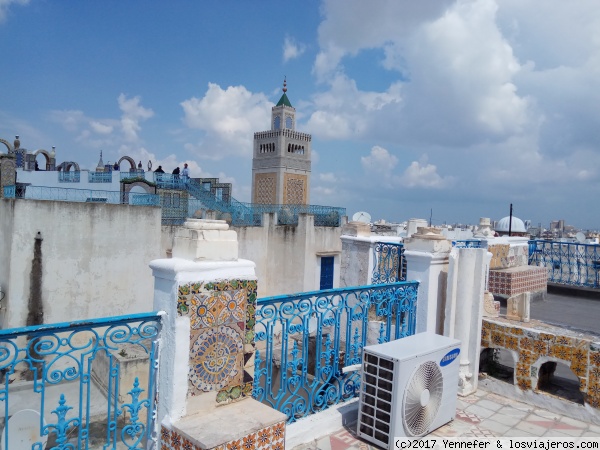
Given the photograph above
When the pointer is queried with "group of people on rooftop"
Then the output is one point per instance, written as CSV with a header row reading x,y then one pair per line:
x,y
185,173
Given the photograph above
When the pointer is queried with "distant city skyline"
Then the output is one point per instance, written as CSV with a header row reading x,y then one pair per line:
x,y
460,107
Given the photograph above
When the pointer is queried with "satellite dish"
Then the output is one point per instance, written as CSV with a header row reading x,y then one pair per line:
x,y
24,430
580,237
361,216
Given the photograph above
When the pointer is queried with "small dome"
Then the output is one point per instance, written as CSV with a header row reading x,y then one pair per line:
x,y
517,225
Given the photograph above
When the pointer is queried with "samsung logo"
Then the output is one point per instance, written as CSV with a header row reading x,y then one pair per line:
x,y
449,357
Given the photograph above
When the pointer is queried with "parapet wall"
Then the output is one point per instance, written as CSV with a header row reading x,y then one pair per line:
x,y
92,259
537,343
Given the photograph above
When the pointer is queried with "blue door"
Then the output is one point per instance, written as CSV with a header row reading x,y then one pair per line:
x,y
326,272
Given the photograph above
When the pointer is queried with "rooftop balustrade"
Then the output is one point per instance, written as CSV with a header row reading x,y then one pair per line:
x,y
567,262
100,177
69,177
91,384
80,195
304,341
389,263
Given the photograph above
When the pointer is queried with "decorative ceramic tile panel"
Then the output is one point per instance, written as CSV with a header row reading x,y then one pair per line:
x,y
222,318
514,282
538,340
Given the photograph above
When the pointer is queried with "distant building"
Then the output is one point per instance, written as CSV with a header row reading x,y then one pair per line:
x,y
281,163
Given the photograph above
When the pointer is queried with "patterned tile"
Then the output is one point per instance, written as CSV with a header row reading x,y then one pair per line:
x,y
272,437
467,417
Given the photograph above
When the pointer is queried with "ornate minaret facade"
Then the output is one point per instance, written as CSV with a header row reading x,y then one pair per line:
x,y
281,161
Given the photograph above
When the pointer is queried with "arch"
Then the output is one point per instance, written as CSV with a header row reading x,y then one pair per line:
x,y
67,165
7,144
498,363
128,188
132,164
46,155
556,377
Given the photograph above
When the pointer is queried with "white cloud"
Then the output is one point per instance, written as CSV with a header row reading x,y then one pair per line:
x,y
6,4
379,161
424,175
228,118
419,174
345,112
101,128
132,114
328,177
292,49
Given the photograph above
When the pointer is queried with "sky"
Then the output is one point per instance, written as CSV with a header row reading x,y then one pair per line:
x,y
447,109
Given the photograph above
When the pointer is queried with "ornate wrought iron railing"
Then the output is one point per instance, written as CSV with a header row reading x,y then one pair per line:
x,y
304,341
567,262
88,195
467,243
389,264
100,177
68,177
90,384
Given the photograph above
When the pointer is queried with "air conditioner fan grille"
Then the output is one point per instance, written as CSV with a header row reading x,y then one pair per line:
x,y
422,398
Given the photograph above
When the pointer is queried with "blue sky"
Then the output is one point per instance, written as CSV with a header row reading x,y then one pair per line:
x,y
460,107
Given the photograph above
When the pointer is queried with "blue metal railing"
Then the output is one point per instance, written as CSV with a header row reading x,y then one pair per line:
x,y
68,177
247,214
389,265
567,262
85,195
91,382
304,341
100,177
467,243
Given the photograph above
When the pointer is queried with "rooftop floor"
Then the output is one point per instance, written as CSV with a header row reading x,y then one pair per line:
x,y
482,414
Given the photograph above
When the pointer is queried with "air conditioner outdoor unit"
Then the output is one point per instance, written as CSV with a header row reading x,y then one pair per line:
x,y
408,387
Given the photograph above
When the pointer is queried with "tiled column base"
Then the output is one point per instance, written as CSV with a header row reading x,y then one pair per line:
x,y
244,425
516,280
272,437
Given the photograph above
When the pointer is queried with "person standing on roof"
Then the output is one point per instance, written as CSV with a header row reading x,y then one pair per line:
x,y
185,173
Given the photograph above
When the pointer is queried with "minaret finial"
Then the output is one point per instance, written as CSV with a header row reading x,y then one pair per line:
x,y
284,84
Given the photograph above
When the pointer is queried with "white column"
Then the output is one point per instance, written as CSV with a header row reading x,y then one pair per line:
x,y
467,274
426,254
203,251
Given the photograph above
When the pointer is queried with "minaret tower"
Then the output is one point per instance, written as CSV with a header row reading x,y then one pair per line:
x,y
281,161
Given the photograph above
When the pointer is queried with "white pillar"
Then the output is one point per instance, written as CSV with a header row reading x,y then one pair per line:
x,y
426,254
467,275
204,251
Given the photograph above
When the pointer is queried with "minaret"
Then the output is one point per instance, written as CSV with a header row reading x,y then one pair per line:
x,y
281,160
100,166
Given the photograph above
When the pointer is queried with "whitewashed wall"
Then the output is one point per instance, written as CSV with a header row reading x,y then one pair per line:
x,y
94,258
287,258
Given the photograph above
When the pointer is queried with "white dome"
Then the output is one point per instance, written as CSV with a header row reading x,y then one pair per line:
x,y
517,225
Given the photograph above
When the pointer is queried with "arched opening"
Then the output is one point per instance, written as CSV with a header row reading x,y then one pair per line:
x,y
498,363
44,163
132,165
557,379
